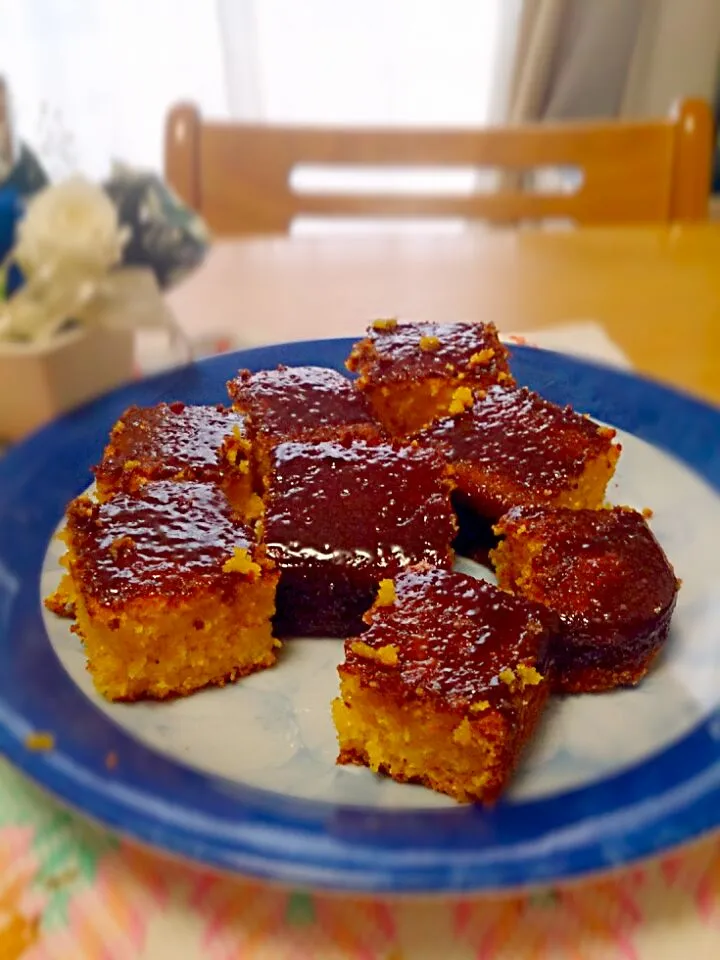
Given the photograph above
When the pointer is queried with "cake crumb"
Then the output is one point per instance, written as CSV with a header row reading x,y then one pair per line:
x,y
479,706
40,742
528,676
429,343
508,676
254,508
384,324
242,562
463,733
131,464
387,654
481,358
386,594
120,544
235,448
647,512
111,760
461,400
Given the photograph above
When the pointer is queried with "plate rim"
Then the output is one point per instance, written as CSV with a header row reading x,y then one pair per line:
x,y
315,849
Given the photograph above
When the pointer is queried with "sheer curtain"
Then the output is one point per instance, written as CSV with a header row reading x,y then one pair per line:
x,y
91,82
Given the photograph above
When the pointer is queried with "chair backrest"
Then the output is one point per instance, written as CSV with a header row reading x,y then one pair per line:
x,y
238,175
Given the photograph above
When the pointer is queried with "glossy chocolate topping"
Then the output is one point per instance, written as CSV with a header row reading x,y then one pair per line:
x,y
411,350
291,400
168,540
169,438
456,637
360,505
521,439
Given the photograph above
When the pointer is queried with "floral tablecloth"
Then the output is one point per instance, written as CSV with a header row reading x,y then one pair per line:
x,y
69,891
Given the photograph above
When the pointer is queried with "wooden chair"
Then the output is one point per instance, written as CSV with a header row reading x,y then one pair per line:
x,y
238,175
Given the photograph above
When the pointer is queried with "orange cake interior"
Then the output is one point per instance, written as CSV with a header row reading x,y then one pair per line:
x,y
468,758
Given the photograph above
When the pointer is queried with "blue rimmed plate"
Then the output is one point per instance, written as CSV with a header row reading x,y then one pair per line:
x,y
243,778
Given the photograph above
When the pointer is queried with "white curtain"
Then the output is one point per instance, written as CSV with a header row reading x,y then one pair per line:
x,y
92,81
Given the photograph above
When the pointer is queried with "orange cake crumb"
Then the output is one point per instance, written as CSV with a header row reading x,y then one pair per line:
x,y
461,399
607,579
173,592
242,562
61,601
410,371
386,594
387,654
40,742
482,358
445,686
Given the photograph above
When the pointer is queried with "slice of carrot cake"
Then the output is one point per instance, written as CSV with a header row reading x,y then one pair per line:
x,y
446,685
172,592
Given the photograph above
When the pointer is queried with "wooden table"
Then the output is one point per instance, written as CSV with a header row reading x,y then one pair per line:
x,y
655,290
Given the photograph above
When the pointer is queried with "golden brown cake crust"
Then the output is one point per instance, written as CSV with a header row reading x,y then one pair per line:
x,y
608,579
167,541
170,441
410,351
512,447
453,638
288,402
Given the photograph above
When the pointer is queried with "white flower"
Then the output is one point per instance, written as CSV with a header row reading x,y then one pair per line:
x,y
71,222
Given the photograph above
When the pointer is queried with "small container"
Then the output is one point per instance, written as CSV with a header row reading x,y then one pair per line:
x,y
40,381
